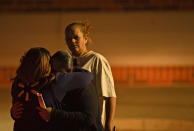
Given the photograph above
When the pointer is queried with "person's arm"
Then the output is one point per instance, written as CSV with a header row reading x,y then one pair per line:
x,y
85,114
71,81
77,118
110,106
16,111
17,108
104,80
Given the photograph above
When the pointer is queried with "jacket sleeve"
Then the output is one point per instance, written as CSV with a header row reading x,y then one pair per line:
x,y
69,118
13,94
80,79
86,110
71,81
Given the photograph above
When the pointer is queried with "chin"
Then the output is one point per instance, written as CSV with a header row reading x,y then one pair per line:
x,y
76,54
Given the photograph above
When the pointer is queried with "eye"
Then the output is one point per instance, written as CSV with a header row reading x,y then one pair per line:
x,y
68,39
76,37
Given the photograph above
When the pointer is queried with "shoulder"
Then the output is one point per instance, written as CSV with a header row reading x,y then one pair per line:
x,y
98,57
15,87
78,69
82,77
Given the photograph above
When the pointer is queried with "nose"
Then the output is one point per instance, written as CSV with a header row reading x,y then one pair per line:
x,y
73,40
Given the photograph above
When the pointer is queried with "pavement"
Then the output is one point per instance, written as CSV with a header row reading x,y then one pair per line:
x,y
138,109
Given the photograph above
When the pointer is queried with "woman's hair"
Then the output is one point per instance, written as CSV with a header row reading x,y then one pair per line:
x,y
61,60
85,28
35,66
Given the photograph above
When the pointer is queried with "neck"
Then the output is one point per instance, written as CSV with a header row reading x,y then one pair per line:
x,y
81,54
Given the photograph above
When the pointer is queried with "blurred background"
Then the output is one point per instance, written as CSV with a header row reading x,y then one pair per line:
x,y
148,43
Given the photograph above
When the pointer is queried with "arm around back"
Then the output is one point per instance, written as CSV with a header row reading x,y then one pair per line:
x,y
82,113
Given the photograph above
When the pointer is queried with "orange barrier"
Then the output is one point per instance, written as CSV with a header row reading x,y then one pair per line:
x,y
150,75
134,75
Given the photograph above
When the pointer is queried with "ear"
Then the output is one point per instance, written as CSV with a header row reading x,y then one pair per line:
x,y
86,38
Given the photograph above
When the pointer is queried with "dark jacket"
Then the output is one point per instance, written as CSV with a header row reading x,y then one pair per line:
x,y
80,112
30,120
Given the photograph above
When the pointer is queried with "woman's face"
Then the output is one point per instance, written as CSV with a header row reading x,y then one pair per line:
x,y
76,41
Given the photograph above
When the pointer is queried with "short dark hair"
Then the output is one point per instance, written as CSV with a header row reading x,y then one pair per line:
x,y
62,60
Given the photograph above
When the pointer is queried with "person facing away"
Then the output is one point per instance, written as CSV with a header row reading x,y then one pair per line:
x,y
34,76
77,37
82,99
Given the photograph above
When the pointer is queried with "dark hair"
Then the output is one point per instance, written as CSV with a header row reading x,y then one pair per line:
x,y
62,60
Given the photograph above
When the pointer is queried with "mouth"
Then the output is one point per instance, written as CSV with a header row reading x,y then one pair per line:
x,y
74,46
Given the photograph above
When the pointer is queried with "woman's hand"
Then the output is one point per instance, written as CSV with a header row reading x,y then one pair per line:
x,y
45,113
109,126
17,110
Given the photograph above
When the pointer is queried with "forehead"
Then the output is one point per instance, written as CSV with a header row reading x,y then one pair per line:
x,y
74,30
